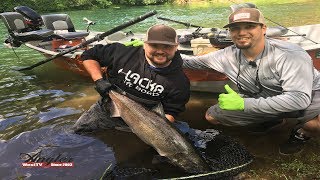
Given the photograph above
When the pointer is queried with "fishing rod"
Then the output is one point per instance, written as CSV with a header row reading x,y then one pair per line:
x,y
302,35
179,22
96,38
250,6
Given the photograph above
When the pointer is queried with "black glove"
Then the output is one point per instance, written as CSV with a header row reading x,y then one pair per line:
x,y
103,86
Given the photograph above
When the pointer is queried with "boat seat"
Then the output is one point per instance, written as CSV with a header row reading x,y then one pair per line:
x,y
63,26
19,29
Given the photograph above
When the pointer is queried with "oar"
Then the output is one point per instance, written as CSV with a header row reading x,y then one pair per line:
x,y
179,22
96,38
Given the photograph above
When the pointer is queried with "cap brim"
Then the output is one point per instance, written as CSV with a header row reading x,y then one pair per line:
x,y
161,42
228,25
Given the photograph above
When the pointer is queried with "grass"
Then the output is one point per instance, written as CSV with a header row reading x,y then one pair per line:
x,y
302,166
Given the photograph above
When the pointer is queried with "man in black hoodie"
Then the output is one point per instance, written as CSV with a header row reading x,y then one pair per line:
x,y
150,75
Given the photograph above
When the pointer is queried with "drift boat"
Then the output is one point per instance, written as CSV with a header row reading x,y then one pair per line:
x,y
55,33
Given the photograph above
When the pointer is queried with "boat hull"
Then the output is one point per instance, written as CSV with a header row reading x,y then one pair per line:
x,y
201,80
205,81
315,55
70,64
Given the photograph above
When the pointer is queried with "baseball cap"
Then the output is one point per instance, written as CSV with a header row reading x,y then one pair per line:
x,y
252,15
161,34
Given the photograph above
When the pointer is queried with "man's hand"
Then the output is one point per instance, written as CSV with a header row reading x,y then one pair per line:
x,y
230,101
103,86
134,43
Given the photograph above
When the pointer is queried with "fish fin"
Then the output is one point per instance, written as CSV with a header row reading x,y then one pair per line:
x,y
114,110
157,159
123,128
158,109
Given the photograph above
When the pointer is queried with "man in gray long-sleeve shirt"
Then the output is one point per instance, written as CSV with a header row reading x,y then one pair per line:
x,y
276,80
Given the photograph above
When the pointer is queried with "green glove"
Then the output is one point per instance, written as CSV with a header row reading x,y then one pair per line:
x,y
230,101
134,43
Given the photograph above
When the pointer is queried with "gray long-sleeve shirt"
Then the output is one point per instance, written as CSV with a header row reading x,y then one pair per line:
x,y
285,71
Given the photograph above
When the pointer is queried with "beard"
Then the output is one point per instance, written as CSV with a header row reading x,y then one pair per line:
x,y
243,46
165,59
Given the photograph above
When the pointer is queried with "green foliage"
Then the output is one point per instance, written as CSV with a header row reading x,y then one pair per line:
x,y
141,2
60,5
103,3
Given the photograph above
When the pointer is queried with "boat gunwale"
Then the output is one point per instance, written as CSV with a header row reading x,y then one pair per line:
x,y
52,53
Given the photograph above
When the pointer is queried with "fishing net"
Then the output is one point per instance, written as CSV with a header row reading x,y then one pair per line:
x,y
130,173
98,117
226,157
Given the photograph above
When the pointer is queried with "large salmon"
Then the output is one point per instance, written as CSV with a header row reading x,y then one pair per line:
x,y
159,133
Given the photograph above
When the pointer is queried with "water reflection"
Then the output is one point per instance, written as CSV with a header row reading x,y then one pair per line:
x,y
54,113
5,122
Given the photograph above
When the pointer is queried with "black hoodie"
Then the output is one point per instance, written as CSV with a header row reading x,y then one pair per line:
x,y
129,70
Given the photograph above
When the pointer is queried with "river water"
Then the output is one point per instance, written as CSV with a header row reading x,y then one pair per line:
x,y
37,107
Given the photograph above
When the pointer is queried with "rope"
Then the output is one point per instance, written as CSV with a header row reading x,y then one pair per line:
x,y
15,53
211,173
